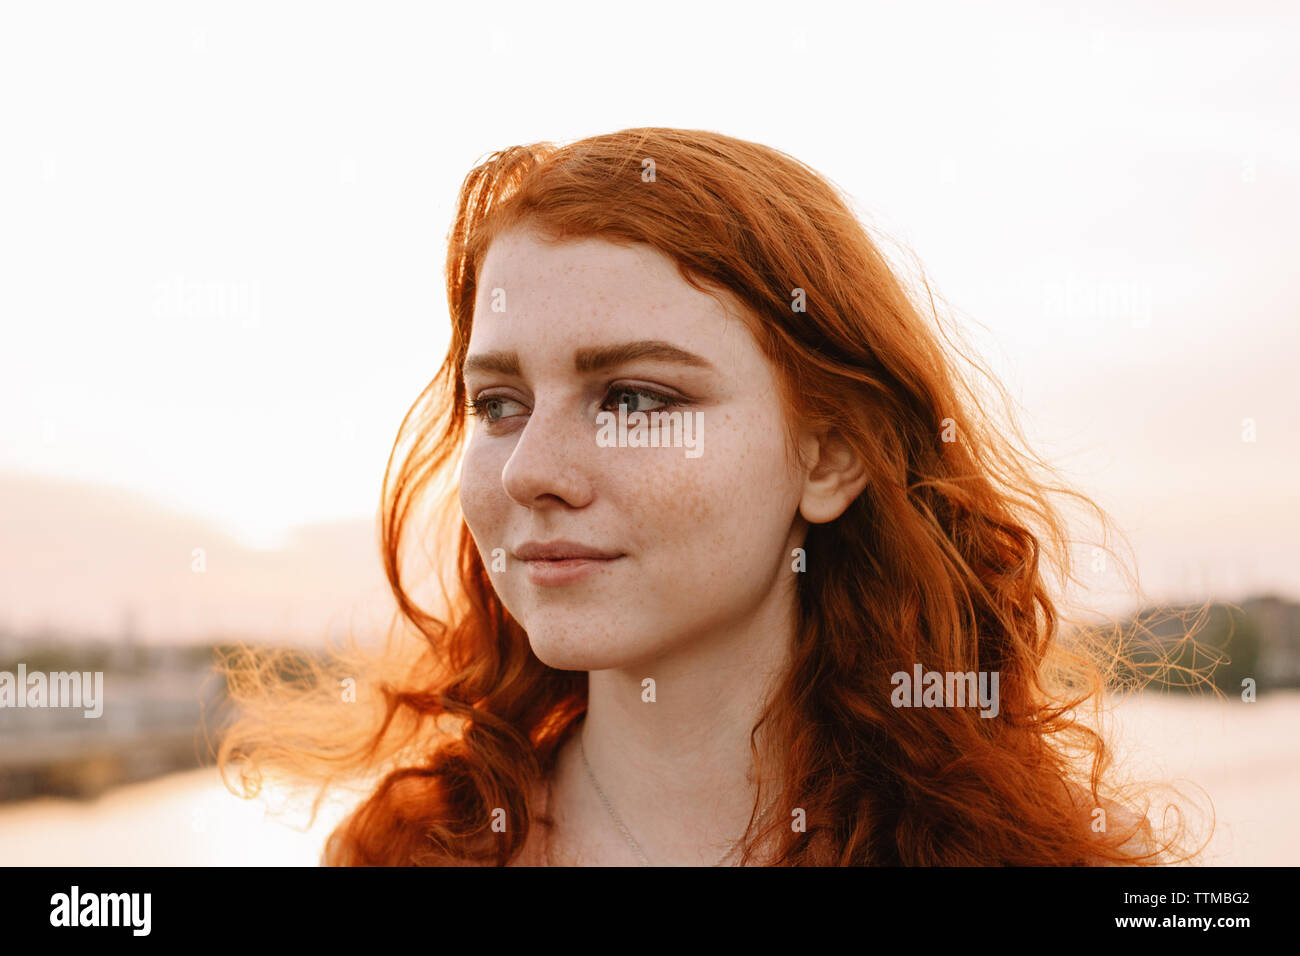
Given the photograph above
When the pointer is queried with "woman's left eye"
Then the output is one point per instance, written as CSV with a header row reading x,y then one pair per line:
x,y
492,409
622,394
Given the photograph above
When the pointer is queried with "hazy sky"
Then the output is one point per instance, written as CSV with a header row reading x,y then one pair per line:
x,y
222,227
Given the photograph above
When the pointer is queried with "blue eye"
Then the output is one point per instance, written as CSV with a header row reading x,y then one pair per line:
x,y
489,407
665,401
485,407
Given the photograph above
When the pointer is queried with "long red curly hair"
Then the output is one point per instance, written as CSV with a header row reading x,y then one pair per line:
x,y
942,560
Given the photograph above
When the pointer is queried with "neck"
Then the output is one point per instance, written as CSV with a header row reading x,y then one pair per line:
x,y
678,770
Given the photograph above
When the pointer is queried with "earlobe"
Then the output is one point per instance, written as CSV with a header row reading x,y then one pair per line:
x,y
834,482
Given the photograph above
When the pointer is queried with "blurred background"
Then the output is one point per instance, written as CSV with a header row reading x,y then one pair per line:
x,y
222,231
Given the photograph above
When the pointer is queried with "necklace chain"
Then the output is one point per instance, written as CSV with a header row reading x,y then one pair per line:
x,y
618,822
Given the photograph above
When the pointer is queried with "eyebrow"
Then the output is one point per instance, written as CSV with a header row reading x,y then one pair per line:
x,y
595,359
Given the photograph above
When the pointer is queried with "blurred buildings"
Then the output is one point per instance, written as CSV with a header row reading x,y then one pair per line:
x,y
163,705
159,706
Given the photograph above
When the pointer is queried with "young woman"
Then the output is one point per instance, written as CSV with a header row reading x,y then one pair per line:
x,y
745,572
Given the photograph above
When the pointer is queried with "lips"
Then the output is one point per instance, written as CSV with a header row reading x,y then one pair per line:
x,y
561,550
562,564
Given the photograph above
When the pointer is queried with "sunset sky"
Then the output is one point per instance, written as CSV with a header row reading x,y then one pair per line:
x,y
222,237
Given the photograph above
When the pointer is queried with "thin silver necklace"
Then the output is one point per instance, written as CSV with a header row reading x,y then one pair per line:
x,y
631,840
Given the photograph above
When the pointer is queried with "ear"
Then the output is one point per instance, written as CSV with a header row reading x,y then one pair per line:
x,y
835,478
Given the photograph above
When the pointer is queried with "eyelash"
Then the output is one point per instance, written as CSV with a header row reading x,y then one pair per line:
x,y
477,407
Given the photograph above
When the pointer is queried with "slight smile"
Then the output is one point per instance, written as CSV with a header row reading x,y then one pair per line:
x,y
556,563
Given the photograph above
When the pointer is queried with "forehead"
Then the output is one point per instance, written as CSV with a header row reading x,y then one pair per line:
x,y
594,286
527,260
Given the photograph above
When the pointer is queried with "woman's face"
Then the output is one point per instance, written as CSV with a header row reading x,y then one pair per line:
x,y
697,536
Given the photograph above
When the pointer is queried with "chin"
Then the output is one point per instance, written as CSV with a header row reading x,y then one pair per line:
x,y
570,647
569,651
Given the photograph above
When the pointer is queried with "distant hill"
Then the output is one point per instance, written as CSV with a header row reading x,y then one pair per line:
x,y
97,561
1277,621
1257,639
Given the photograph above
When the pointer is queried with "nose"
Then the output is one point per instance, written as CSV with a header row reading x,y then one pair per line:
x,y
549,463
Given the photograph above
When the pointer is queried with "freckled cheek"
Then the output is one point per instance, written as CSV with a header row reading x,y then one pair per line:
x,y
481,493
740,489
685,504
